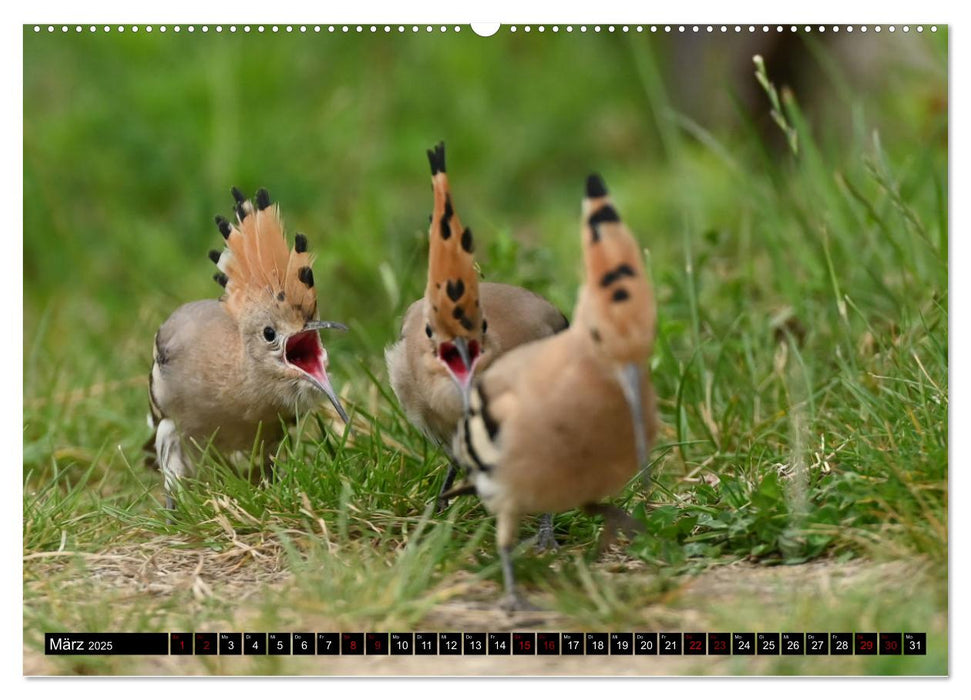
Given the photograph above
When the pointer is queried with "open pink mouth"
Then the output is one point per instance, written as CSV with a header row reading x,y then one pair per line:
x,y
452,358
305,352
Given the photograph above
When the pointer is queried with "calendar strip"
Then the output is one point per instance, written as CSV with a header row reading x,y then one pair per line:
x,y
486,643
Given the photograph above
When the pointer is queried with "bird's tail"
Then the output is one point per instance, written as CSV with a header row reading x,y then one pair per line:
x,y
154,412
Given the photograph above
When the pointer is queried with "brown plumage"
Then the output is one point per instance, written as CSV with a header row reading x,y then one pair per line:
x,y
566,421
227,372
460,326
427,394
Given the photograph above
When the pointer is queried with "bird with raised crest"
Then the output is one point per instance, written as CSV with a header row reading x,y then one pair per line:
x,y
458,329
566,422
230,372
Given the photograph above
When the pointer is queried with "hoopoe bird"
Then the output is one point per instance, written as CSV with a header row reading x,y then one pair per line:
x,y
226,372
458,328
565,422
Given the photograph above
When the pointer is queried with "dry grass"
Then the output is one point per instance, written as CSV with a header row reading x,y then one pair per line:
x,y
236,589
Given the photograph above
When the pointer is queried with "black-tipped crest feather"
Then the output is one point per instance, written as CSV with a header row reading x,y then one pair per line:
x,y
224,228
596,186
262,199
306,275
436,158
258,260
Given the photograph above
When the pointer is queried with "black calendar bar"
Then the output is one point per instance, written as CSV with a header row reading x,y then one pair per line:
x,y
426,643
206,643
500,644
278,643
254,643
230,643
304,643
694,643
524,643
329,643
487,643
105,644
621,643
402,643
719,643
548,643
474,643
376,643
352,643
817,643
571,643
181,644
915,643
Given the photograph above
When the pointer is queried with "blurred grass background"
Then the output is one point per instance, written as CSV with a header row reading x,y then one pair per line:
x,y
802,293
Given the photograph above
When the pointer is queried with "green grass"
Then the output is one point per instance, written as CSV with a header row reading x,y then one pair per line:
x,y
801,360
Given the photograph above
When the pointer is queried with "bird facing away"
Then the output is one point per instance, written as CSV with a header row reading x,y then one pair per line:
x,y
459,327
226,372
566,421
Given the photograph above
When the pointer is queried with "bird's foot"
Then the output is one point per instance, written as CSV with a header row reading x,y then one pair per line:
x,y
616,521
514,602
169,509
443,498
445,495
441,503
620,521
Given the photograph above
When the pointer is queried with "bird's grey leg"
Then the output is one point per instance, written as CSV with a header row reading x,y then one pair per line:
x,y
443,497
545,539
511,601
645,479
507,525
269,469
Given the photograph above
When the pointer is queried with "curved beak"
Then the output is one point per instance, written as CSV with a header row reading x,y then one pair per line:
x,y
324,385
324,325
630,376
464,380
304,351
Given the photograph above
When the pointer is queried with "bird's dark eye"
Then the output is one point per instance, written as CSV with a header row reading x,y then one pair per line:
x,y
269,334
428,330
485,326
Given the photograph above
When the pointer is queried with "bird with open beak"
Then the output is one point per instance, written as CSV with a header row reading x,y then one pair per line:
x,y
567,421
232,371
458,328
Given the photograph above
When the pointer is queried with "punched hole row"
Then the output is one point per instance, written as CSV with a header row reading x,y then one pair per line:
x,y
401,29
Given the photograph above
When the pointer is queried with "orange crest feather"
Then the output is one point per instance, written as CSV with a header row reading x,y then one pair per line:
x,y
453,283
257,266
621,299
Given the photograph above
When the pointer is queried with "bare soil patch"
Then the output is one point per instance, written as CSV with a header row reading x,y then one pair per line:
x,y
240,577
